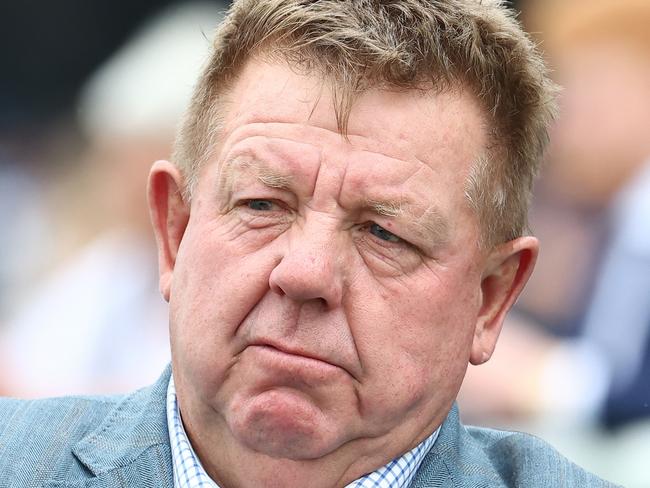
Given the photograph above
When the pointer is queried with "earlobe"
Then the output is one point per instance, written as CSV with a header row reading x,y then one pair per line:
x,y
507,270
169,216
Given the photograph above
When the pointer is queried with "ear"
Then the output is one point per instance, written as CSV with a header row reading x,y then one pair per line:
x,y
169,216
507,269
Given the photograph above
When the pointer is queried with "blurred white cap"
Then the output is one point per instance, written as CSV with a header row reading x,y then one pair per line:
x,y
146,85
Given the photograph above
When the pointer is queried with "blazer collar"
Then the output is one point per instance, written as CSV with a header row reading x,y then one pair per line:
x,y
457,459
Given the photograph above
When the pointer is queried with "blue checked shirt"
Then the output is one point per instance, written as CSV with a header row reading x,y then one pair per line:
x,y
188,472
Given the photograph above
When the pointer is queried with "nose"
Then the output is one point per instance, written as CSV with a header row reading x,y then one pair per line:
x,y
310,268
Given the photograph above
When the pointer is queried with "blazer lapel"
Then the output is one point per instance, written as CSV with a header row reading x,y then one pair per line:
x,y
129,448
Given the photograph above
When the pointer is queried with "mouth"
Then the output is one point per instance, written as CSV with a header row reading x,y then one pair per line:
x,y
294,369
285,351
295,358
297,361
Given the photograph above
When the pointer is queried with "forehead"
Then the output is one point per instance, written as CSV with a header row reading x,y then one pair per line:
x,y
283,117
402,121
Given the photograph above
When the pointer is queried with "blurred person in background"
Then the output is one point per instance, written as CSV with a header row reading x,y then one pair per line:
x,y
583,328
62,43
95,322
25,227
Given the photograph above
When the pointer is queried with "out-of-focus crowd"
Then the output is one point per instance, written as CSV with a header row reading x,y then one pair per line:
x,y
80,310
79,306
573,362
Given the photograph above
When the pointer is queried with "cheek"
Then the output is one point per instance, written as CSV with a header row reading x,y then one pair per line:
x,y
215,285
414,343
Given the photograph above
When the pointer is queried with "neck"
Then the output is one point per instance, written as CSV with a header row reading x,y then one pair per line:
x,y
234,465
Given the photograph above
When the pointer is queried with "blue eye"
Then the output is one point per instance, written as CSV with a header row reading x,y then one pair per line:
x,y
381,233
261,205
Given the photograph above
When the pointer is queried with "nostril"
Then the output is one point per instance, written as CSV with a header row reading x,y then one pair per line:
x,y
275,286
277,290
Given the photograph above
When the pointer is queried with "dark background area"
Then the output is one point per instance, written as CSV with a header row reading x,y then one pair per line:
x,y
48,49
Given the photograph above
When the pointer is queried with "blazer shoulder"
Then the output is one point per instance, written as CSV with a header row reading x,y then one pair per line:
x,y
525,460
112,441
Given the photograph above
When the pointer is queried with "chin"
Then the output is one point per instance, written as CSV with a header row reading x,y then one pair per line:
x,y
283,424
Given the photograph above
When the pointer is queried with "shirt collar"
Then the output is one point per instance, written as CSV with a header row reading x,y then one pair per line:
x,y
189,473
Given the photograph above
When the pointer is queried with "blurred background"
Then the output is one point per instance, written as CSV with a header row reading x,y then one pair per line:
x,y
90,95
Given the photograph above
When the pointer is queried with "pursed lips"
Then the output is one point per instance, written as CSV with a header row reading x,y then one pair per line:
x,y
300,355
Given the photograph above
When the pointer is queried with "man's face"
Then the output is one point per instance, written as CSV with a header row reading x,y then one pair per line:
x,y
326,291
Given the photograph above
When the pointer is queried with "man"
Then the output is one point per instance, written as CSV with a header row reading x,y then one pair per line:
x,y
340,233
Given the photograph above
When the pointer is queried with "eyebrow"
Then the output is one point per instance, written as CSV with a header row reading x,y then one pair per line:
x,y
387,208
233,167
430,225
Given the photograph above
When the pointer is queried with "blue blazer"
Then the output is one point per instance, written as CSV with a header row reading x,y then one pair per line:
x,y
122,441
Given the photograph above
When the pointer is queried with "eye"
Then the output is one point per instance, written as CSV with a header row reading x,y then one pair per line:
x,y
260,205
381,233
